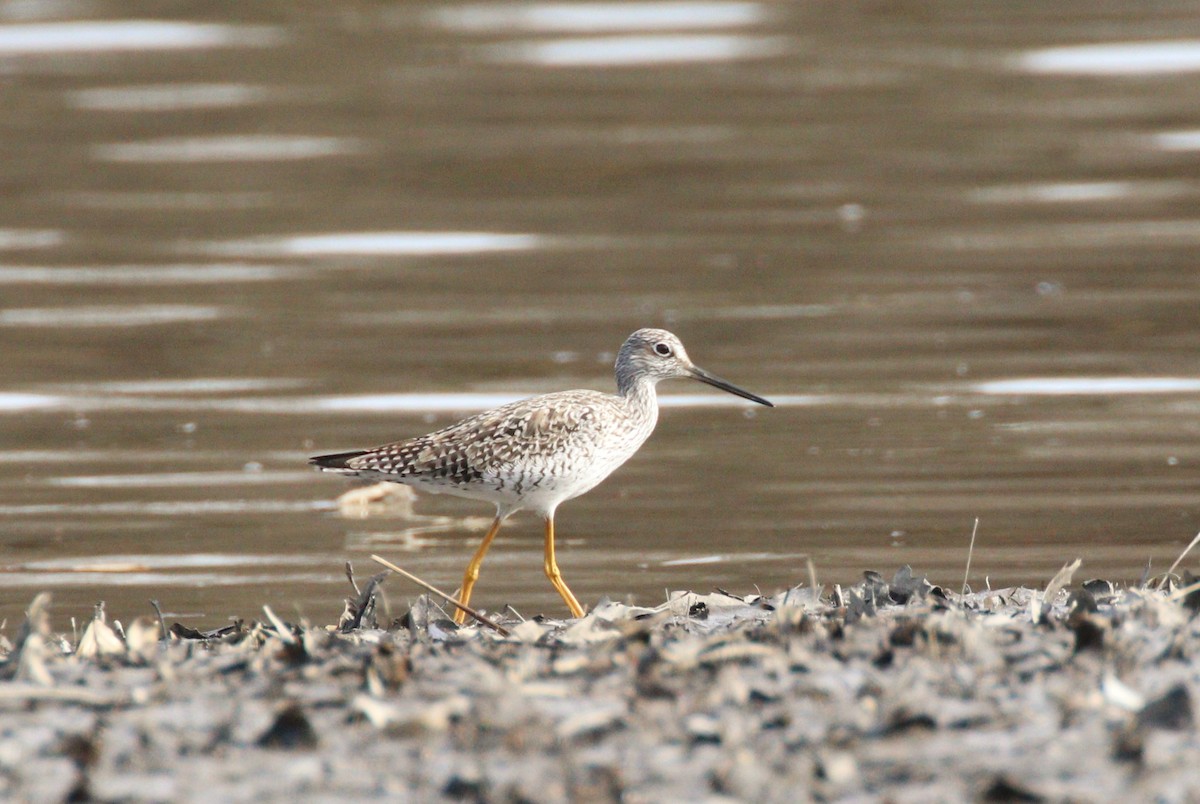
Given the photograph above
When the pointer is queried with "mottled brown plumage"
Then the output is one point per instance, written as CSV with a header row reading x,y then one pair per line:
x,y
530,448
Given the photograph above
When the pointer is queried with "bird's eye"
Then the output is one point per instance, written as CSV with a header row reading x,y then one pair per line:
x,y
662,349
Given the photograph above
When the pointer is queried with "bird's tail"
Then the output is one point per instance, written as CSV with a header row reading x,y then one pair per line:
x,y
338,462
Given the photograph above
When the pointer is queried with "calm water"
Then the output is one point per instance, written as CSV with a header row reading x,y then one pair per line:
x,y
956,242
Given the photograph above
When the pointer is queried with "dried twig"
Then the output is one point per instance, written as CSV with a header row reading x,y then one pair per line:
x,y
162,624
281,628
1186,550
812,580
1180,594
970,553
499,629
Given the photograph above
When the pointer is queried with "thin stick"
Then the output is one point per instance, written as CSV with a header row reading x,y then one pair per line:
x,y
1180,594
812,579
970,553
499,629
162,624
1186,550
281,629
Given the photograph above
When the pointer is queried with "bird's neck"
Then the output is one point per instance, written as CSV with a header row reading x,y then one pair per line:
x,y
638,392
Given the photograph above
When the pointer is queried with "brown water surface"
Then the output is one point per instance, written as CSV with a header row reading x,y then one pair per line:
x,y
955,242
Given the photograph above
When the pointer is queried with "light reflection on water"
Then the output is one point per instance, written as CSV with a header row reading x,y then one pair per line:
x,y
166,201
364,403
381,243
1047,236
529,315
189,385
628,51
16,401
1091,386
85,316
102,36
190,480
723,558
1115,59
26,239
128,561
1086,192
1177,140
595,17
231,148
189,274
451,403
167,97
124,397
145,456
167,508
169,578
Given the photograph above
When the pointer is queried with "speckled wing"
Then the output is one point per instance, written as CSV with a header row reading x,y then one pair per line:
x,y
523,443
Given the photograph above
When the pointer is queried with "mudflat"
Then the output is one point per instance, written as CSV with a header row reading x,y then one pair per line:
x,y
891,688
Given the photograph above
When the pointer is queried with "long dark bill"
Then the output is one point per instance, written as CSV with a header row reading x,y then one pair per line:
x,y
716,382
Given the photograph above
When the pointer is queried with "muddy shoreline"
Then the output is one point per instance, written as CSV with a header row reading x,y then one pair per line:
x,y
892,689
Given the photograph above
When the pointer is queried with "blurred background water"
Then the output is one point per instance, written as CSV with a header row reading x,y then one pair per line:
x,y
955,241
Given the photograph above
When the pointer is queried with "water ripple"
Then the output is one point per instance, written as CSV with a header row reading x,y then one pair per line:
x,y
186,385
379,243
1177,140
12,402
21,579
167,508
1115,59
1089,386
486,18
118,563
200,274
135,315
25,239
626,51
189,480
129,35
166,97
233,148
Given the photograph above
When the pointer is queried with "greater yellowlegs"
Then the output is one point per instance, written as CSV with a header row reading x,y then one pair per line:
x,y
538,452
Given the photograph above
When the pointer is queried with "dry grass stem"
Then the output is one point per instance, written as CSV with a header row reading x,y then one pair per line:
x,y
970,553
499,629
1180,594
1186,550
812,579
280,627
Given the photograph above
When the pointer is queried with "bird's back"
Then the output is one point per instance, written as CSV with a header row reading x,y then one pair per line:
x,y
533,453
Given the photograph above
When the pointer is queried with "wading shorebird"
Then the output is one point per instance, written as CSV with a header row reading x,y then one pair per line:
x,y
537,453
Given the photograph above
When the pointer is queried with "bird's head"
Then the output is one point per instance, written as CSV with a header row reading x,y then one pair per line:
x,y
655,354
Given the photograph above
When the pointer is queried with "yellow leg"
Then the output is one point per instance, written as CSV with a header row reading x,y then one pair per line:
x,y
472,573
551,567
